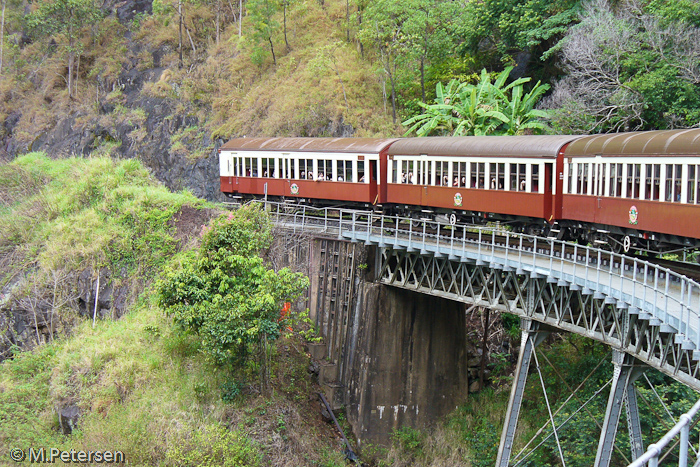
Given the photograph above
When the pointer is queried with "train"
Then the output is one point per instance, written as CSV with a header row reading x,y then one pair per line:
x,y
634,191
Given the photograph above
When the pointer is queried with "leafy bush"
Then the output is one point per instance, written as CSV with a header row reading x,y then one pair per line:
x,y
226,295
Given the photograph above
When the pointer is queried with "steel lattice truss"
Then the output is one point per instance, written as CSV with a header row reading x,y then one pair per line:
x,y
561,305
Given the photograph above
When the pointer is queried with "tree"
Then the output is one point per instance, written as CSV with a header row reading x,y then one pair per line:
x,y
628,69
383,26
482,108
226,295
261,14
66,21
326,58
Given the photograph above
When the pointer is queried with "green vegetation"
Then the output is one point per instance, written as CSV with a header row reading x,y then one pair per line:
x,y
471,434
485,108
227,296
305,67
141,384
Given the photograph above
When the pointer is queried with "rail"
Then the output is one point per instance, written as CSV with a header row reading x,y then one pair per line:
x,y
651,456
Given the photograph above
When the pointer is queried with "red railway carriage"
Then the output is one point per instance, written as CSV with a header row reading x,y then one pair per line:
x,y
319,169
634,188
510,176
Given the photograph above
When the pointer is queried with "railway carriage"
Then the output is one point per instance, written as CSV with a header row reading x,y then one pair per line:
x,y
633,190
316,170
627,191
477,178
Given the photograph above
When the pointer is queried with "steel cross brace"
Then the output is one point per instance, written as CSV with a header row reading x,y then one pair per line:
x,y
533,333
625,373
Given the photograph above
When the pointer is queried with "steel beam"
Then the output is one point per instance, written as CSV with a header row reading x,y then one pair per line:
x,y
531,336
625,373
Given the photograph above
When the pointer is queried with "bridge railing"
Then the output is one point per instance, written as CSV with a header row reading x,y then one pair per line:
x,y
628,282
654,451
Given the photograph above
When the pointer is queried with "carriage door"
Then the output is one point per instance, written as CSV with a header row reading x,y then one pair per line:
x,y
373,181
285,173
422,172
599,187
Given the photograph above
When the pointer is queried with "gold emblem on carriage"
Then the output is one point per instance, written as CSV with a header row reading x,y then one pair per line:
x,y
634,215
294,188
458,199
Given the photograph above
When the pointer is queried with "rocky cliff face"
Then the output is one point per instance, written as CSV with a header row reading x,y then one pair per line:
x,y
147,138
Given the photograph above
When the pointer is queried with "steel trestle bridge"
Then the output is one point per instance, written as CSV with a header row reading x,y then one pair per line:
x,y
648,315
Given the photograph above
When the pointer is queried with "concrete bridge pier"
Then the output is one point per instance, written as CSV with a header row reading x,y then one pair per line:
x,y
391,357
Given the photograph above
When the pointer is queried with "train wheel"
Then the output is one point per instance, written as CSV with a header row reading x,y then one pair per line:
x,y
626,244
453,219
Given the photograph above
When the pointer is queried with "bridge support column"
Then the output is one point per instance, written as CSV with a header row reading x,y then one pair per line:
x,y
625,374
532,335
635,428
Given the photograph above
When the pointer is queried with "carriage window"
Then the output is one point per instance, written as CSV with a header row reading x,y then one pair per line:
x,y
653,181
481,174
268,166
570,181
306,169
361,172
636,184
496,176
673,182
616,179
691,184
518,181
250,169
237,162
442,174
344,173
535,186
459,174
472,182
612,180
582,179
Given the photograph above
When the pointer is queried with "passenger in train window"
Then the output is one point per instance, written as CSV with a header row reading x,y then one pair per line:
x,y
340,178
455,182
329,177
362,179
410,178
247,173
522,184
310,175
403,177
445,181
464,182
303,175
493,183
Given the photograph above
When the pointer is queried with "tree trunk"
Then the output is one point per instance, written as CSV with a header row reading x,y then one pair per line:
x,y
347,18
393,97
422,78
484,348
71,63
284,14
218,21
2,33
272,49
179,11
